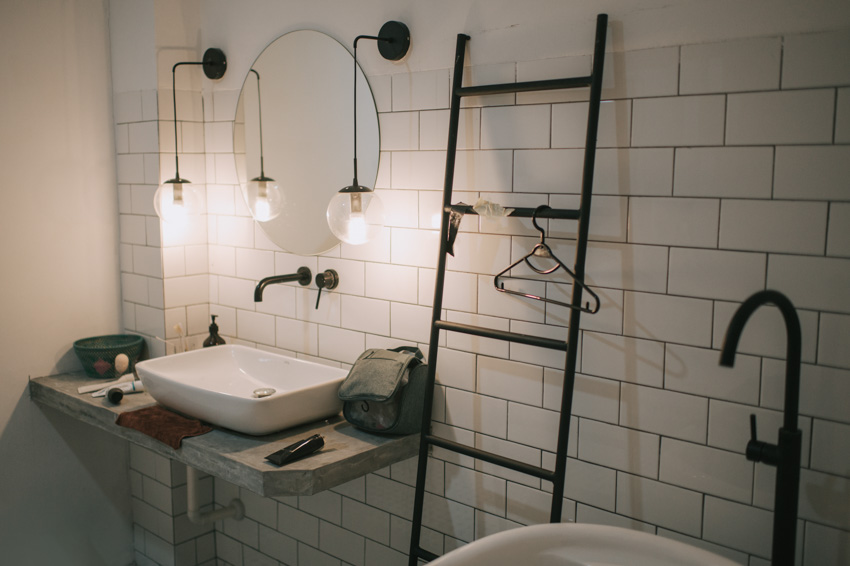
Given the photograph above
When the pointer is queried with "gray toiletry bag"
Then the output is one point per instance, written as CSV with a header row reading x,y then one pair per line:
x,y
384,391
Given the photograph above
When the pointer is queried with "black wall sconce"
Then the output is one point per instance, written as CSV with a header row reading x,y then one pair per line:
x,y
176,199
356,214
262,194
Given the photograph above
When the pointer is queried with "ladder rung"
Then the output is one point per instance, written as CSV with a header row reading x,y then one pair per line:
x,y
502,335
559,213
527,86
508,463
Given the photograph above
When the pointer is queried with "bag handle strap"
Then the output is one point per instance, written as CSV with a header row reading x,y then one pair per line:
x,y
417,353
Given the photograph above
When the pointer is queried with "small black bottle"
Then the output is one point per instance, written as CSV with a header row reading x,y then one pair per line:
x,y
213,339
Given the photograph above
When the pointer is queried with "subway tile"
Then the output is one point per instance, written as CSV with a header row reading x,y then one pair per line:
x,y
706,470
309,555
401,208
642,73
143,137
509,380
417,248
830,447
328,311
460,290
254,264
147,261
221,199
608,319
391,496
732,66
434,127
456,369
134,288
469,343
679,121
536,354
494,73
341,543
731,172
832,350
132,229
773,226
623,358
238,293
838,230
527,505
410,322
714,274
218,137
127,106
515,127
325,505
471,411
591,484
608,218
614,265
824,499
679,320
548,170
592,515
823,544
620,448
842,116
533,426
634,171
365,520
780,118
475,489
222,260
278,300
667,413
673,221
424,90
340,344
399,131
593,397
422,170
375,250
728,553
811,282
823,390
697,371
449,517
365,315
659,504
255,327
513,450
812,173
392,282
764,334
141,199
380,554
737,526
569,124
815,59
275,547
485,170
235,231
149,321
480,253
554,68
493,302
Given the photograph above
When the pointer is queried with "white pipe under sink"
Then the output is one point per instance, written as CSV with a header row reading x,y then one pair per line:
x,y
235,508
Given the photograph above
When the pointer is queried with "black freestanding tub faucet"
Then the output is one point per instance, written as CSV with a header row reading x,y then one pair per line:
x,y
785,455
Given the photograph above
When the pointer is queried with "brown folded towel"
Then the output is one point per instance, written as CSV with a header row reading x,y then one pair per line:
x,y
160,423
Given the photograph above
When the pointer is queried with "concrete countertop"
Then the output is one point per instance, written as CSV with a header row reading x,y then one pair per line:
x,y
238,458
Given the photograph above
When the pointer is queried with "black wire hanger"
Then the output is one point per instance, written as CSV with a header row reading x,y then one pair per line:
x,y
542,250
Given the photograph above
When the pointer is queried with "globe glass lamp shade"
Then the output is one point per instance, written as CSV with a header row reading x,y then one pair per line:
x,y
356,217
264,198
176,201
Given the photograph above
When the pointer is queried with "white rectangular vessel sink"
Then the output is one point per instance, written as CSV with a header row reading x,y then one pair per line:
x,y
243,389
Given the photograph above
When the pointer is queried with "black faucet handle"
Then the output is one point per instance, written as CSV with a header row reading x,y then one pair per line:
x,y
758,451
328,279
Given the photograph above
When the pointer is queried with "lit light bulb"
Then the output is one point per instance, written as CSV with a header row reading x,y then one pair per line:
x,y
264,198
356,217
176,200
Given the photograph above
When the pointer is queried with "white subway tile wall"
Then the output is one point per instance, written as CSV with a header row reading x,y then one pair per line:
x,y
722,171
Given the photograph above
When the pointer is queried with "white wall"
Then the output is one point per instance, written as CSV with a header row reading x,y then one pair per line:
x,y
719,116
62,484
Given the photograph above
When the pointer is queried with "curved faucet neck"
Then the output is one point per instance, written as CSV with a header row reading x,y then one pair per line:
x,y
793,351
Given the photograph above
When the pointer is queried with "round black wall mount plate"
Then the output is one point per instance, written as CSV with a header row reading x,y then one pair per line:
x,y
215,63
399,36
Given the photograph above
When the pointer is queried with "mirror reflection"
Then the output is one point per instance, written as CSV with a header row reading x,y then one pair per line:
x,y
306,103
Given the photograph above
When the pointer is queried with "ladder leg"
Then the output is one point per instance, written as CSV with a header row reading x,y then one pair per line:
x,y
422,467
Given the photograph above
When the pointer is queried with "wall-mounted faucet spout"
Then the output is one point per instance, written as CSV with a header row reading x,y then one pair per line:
x,y
303,276
785,455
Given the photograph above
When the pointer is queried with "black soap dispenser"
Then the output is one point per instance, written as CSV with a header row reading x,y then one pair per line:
x,y
213,339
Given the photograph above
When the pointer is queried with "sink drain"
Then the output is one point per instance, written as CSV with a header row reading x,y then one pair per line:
x,y
263,392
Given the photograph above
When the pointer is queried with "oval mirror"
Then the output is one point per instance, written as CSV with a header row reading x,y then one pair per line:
x,y
306,102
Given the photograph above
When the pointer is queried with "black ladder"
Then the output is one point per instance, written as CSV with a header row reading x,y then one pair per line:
x,y
570,346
